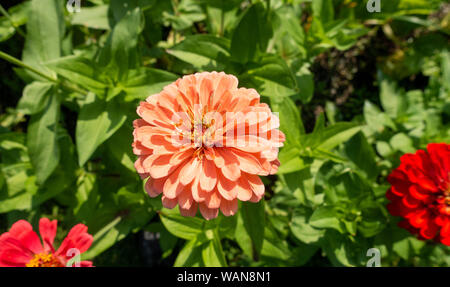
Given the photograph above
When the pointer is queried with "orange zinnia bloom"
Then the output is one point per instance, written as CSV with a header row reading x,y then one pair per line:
x,y
203,142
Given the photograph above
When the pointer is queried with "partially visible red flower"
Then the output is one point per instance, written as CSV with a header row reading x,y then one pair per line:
x,y
420,193
21,246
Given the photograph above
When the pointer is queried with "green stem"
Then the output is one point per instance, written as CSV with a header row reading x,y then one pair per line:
x,y
19,63
6,14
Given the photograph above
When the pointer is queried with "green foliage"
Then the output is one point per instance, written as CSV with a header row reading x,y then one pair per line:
x,y
65,141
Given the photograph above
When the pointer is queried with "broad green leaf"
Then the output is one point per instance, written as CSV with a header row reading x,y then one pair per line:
x,y
86,195
93,17
271,77
45,31
274,247
288,35
304,231
190,255
180,226
42,140
204,52
323,10
144,82
35,97
290,160
402,143
331,136
376,119
212,253
290,121
360,152
393,102
215,10
80,71
325,217
97,121
119,145
250,227
120,51
20,187
343,252
251,34
305,82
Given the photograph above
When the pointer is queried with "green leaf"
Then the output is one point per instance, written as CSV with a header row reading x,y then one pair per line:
x,y
376,119
362,155
325,217
402,143
271,77
212,253
45,31
304,231
204,52
394,104
144,82
190,255
180,226
93,17
35,97
274,247
119,145
120,51
343,252
331,136
86,195
323,10
80,71
290,120
97,121
305,82
290,160
42,140
251,35
250,227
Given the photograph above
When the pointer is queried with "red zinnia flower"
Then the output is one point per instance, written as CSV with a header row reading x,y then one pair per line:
x,y
420,193
203,142
21,246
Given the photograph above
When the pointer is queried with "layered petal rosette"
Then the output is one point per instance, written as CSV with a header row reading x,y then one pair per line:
x,y
420,193
202,142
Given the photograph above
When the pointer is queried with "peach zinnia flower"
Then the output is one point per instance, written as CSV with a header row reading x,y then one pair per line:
x,y
203,142
21,246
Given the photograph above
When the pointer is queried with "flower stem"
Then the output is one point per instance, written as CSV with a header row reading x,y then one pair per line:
x,y
19,63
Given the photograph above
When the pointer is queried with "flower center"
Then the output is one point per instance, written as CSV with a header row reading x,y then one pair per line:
x,y
44,260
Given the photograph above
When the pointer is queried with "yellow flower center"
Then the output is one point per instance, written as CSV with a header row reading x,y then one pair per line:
x,y
44,260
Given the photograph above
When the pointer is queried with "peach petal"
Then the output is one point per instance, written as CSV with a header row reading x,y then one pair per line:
x,y
229,208
189,212
208,213
168,202
208,175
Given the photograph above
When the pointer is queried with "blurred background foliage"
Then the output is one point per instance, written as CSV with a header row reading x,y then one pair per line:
x,y
354,91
